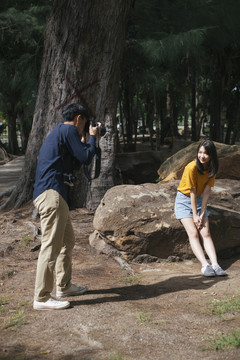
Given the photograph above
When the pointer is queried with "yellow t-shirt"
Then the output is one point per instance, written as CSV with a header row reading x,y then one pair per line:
x,y
192,179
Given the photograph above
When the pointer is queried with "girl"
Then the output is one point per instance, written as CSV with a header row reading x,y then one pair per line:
x,y
191,205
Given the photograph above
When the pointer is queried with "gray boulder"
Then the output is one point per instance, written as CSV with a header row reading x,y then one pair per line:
x,y
139,219
138,167
228,155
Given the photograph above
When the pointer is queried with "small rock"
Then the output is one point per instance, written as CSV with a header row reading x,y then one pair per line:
x,y
144,258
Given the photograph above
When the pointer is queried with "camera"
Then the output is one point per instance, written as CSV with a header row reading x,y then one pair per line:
x,y
102,131
69,179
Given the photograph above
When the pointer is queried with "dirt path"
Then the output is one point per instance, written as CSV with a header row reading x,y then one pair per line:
x,y
163,311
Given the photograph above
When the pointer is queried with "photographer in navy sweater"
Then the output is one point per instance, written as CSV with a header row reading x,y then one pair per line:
x,y
60,153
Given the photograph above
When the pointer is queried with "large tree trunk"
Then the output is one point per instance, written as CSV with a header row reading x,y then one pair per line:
x,y
186,97
81,62
12,134
216,102
24,129
193,105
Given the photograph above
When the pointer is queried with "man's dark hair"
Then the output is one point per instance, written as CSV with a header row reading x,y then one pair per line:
x,y
212,152
72,110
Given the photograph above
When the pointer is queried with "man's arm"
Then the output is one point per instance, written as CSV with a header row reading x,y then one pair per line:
x,y
82,152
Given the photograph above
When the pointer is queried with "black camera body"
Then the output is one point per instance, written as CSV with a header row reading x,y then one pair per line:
x,y
102,131
69,179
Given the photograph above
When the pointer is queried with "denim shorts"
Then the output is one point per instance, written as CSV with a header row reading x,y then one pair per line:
x,y
183,207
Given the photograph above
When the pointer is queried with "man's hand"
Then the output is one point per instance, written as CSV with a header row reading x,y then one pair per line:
x,y
95,131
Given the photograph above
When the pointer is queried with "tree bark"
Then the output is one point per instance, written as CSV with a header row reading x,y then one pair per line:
x,y
81,62
12,134
185,128
24,130
157,120
193,105
216,101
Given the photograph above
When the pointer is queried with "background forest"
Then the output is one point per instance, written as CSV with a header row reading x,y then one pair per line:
x,y
180,71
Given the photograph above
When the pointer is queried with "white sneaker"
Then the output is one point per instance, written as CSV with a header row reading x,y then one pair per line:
x,y
207,270
50,304
73,290
218,270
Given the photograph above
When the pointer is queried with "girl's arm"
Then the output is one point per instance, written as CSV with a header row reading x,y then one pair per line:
x,y
196,218
205,196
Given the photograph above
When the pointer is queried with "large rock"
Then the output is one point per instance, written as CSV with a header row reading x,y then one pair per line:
x,y
4,156
229,162
139,219
138,167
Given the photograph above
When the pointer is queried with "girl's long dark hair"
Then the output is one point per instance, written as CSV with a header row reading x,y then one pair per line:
x,y
212,152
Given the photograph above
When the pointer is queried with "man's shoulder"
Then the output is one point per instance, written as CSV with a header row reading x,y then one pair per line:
x,y
67,130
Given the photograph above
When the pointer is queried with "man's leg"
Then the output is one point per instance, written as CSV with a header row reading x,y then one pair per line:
x,y
64,260
64,266
54,212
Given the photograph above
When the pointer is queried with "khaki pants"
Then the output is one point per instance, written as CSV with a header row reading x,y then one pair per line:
x,y
57,244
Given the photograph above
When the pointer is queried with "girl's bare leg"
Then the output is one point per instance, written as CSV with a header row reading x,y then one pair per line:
x,y
194,240
208,242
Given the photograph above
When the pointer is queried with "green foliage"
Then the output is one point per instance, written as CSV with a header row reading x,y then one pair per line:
x,y
132,279
3,301
223,342
116,356
177,45
27,240
174,46
22,26
16,320
220,307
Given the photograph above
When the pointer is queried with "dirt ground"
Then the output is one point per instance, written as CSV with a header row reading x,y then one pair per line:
x,y
165,310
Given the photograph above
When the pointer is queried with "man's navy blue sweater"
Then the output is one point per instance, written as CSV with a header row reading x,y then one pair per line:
x,y
56,157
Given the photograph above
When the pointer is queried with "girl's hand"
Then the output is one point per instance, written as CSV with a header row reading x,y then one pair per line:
x,y
198,221
201,218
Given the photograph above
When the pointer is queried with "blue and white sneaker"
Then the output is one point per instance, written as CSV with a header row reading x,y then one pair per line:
x,y
207,270
218,270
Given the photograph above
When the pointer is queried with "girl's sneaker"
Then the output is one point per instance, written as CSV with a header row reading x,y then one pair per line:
x,y
218,270
207,270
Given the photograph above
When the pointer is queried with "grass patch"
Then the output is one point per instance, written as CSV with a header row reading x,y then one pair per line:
x,y
132,279
23,303
27,240
16,320
220,307
116,357
223,342
144,317
3,301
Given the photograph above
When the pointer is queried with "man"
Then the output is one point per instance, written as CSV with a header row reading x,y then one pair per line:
x,y
62,147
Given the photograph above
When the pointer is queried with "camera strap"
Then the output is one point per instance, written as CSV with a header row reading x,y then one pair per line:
x,y
97,165
59,141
